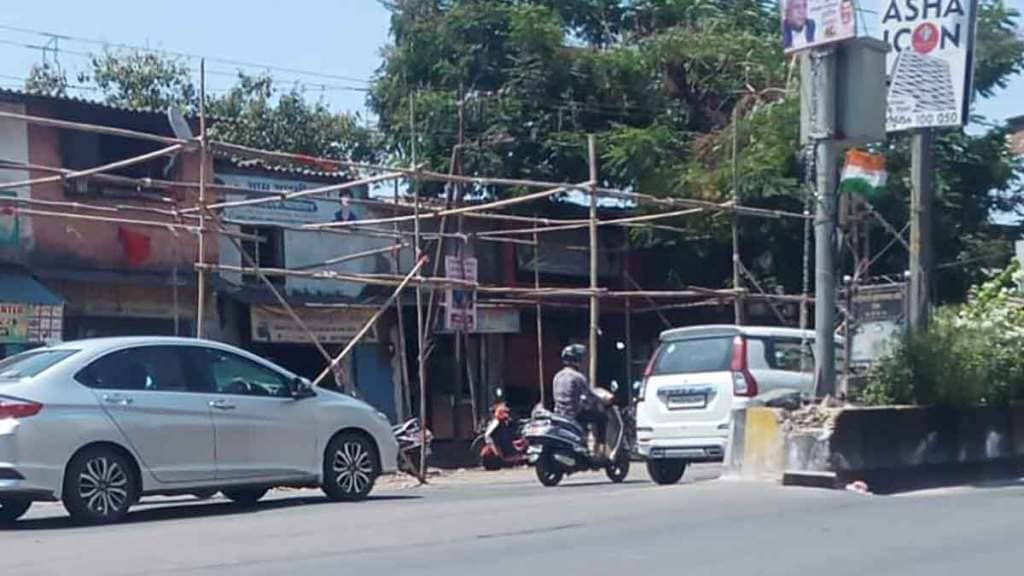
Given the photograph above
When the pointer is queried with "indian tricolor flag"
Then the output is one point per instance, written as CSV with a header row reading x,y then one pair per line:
x,y
864,174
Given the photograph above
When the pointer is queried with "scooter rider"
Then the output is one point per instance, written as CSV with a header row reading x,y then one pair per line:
x,y
574,397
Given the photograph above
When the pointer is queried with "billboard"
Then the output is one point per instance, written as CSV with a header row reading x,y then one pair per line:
x,y
810,23
930,62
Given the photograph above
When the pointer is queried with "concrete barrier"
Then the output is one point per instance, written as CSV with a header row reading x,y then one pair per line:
x,y
763,445
889,448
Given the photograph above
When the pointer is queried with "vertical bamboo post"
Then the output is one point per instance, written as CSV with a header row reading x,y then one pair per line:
x,y
420,352
403,356
201,296
737,278
594,312
540,320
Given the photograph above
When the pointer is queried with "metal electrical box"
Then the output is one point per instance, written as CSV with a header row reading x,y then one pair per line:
x,y
860,92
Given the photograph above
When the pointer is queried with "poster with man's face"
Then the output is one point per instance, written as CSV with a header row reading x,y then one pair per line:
x,y
810,23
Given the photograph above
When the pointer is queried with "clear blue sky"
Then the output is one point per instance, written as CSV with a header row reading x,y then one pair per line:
x,y
338,38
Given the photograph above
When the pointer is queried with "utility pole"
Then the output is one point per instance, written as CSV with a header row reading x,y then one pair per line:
x,y
823,68
922,170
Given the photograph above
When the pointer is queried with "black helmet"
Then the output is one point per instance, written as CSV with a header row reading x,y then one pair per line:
x,y
574,354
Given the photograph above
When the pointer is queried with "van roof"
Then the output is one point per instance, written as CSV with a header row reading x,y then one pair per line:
x,y
713,330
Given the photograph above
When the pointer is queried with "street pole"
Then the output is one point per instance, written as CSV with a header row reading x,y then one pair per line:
x,y
823,73
922,170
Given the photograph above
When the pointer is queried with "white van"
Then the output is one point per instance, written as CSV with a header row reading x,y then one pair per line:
x,y
699,375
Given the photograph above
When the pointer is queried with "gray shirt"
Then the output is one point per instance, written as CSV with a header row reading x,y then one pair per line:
x,y
571,391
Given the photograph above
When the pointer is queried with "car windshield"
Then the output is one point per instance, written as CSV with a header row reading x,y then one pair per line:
x,y
30,364
694,355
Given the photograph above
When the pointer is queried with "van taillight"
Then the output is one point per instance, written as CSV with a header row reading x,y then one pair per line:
x,y
14,408
743,382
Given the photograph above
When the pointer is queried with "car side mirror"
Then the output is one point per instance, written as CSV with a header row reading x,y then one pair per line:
x,y
301,388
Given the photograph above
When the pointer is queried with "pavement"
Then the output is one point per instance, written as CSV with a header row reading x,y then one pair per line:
x,y
478,523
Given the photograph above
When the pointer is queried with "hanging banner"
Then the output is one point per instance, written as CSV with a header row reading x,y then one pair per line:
x,y
460,305
810,23
329,325
930,62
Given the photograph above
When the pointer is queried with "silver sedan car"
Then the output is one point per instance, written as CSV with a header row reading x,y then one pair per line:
x,y
99,423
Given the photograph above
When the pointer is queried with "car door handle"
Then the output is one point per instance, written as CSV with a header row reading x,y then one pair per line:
x,y
118,399
221,405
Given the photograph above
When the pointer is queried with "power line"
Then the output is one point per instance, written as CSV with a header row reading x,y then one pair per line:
x,y
187,55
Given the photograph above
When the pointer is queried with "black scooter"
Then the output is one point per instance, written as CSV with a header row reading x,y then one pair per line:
x,y
558,446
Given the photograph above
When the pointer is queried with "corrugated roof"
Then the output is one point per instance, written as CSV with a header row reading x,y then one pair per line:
x,y
24,94
20,288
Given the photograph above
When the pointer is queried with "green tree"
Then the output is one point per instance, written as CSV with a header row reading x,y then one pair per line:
x,y
47,79
660,83
254,112
143,80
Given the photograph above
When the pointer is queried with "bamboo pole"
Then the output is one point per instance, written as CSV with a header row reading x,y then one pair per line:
x,y
369,324
353,256
420,337
403,353
285,196
594,302
443,213
575,226
95,170
277,294
540,322
201,288
93,128
107,219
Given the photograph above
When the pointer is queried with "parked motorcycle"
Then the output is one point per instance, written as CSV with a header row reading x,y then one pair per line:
x,y
501,444
410,446
558,446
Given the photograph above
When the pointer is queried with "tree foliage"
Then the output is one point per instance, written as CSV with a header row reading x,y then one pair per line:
x,y
970,354
669,87
47,79
254,112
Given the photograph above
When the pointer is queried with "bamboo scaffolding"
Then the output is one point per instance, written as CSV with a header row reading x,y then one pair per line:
x,y
95,170
369,324
95,128
585,224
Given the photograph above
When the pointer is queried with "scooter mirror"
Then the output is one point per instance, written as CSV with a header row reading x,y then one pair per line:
x,y
614,385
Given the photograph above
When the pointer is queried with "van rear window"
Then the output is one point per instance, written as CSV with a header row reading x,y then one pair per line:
x,y
694,355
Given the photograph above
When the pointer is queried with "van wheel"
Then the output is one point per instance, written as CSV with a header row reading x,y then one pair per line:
x,y
666,471
13,508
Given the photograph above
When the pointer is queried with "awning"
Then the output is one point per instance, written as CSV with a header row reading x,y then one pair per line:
x,y
19,287
29,311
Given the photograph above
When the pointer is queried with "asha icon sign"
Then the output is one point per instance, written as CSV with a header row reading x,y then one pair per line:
x,y
930,62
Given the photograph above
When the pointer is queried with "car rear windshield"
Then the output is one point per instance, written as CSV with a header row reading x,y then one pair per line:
x,y
694,355
30,364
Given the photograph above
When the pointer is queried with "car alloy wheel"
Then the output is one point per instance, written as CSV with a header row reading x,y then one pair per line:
x,y
99,486
350,468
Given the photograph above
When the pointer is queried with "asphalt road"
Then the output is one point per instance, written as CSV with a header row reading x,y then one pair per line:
x,y
508,524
